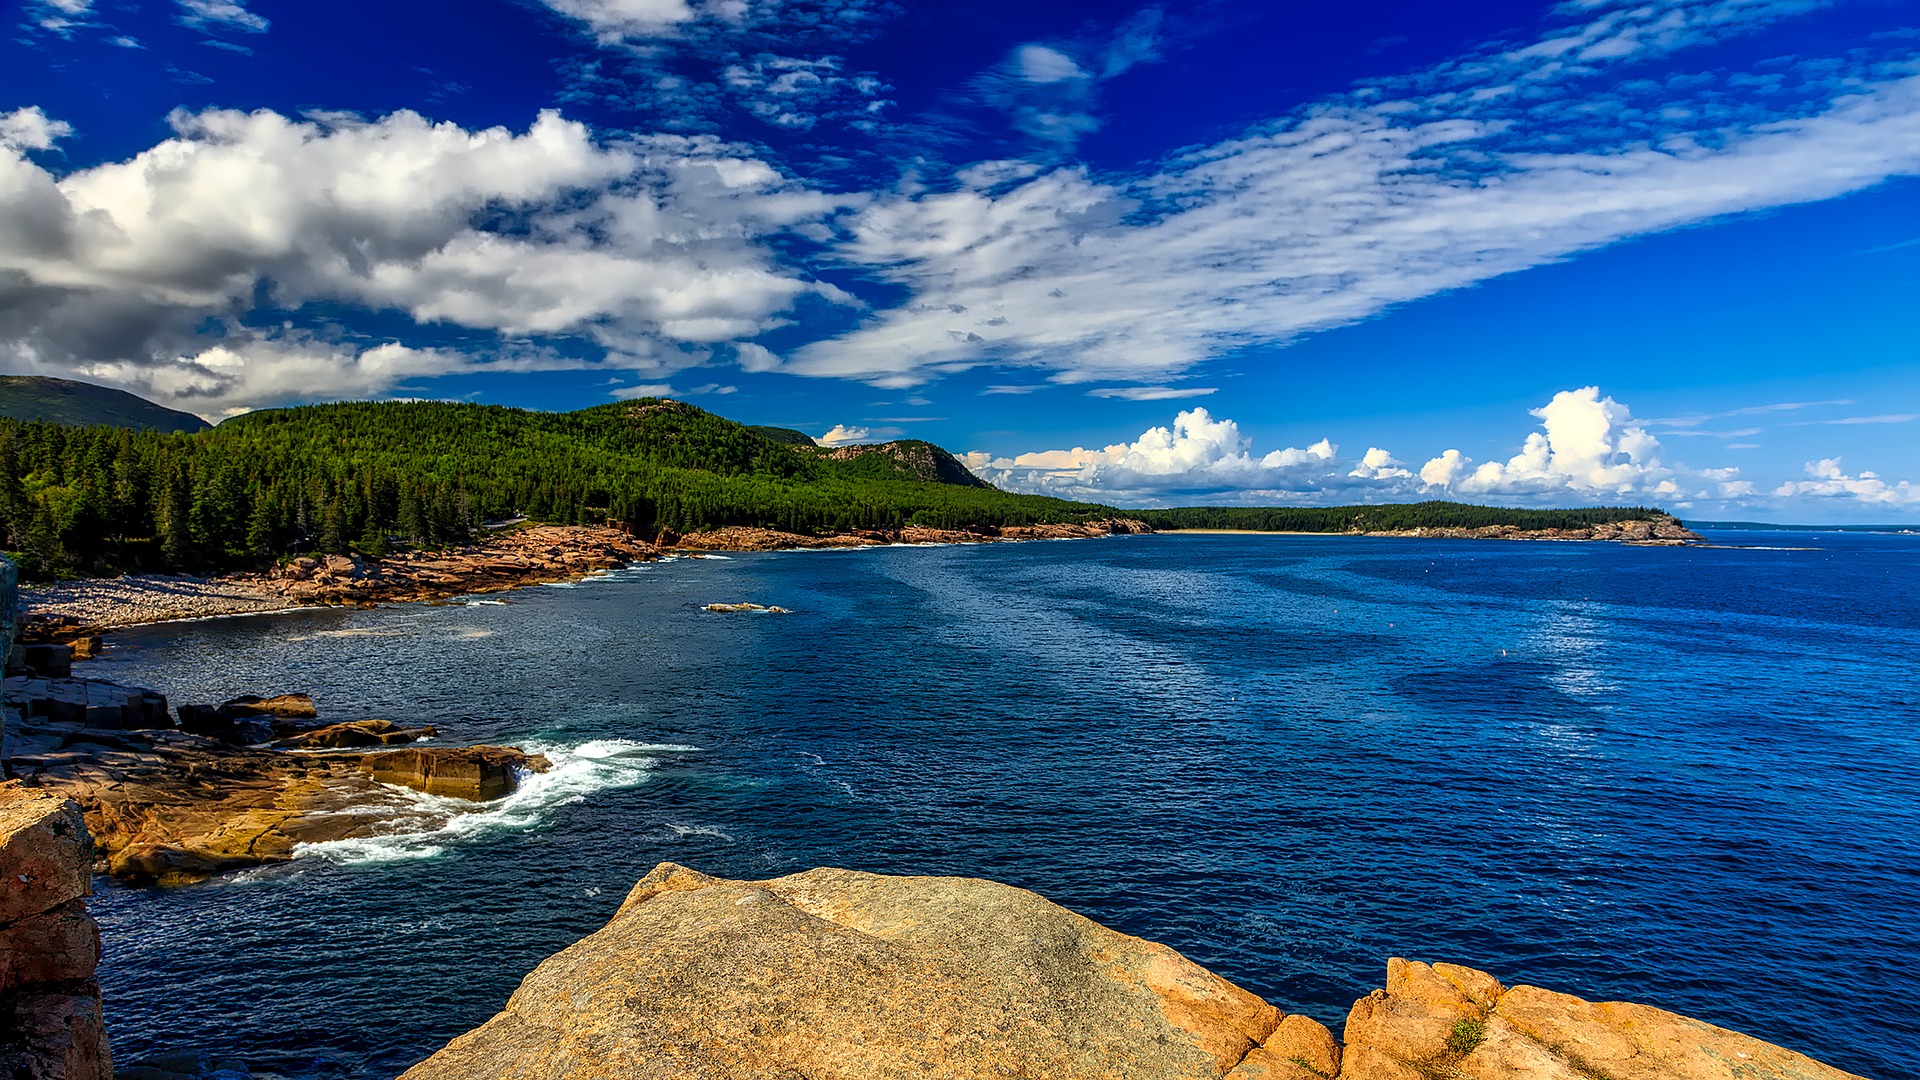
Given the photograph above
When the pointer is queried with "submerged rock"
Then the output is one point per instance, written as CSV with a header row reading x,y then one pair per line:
x,y
748,607
837,975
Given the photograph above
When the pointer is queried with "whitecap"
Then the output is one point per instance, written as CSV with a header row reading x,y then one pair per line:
x,y
422,826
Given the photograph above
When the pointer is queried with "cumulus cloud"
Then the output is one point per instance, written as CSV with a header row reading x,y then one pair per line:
x,y
30,129
1829,481
1197,454
1377,464
645,248
1587,444
1402,189
844,435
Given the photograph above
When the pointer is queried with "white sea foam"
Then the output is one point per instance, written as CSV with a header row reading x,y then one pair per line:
x,y
485,603
422,826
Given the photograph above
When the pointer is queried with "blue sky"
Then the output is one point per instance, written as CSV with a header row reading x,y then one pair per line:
x,y
1651,252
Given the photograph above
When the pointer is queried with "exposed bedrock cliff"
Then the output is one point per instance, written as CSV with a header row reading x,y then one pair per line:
x,y
50,1024
838,975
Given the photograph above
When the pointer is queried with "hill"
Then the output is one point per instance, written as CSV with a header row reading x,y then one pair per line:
x,y
908,459
370,476
66,401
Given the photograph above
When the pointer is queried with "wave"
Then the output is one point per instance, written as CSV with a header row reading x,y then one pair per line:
x,y
422,826
484,603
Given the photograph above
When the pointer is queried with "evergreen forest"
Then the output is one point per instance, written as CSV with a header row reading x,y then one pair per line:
x,y
368,477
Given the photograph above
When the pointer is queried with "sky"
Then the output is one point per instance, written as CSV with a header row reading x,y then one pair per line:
x,y
1658,252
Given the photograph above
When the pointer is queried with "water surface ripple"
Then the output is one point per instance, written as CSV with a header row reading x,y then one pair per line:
x,y
1683,777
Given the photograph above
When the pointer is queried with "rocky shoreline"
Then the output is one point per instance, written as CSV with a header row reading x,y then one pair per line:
x,y
78,613
230,786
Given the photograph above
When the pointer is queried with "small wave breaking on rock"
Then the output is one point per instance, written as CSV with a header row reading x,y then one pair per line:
x,y
422,826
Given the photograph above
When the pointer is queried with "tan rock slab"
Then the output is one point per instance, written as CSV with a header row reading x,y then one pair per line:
x,y
838,975
40,833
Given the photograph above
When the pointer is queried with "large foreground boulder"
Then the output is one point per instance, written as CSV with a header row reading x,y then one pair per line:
x,y
834,974
837,975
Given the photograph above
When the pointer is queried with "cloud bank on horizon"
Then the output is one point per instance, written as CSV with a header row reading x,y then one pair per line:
x,y
255,257
1588,450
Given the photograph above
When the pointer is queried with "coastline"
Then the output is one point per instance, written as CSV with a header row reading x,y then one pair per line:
x,y
548,554
80,609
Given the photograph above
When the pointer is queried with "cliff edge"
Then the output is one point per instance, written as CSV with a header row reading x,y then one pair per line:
x,y
838,975
50,1023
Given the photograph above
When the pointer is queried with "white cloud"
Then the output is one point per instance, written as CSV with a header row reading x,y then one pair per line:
x,y
30,129
1152,393
843,435
1587,445
1197,454
618,20
61,17
1829,481
222,15
1377,464
798,92
1041,64
644,390
236,375
1399,191
647,248
755,358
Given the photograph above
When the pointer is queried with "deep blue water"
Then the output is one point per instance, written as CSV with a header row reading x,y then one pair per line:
x,y
1687,777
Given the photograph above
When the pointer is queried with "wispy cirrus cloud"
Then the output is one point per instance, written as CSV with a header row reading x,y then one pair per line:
x,y
222,15
1885,418
1511,158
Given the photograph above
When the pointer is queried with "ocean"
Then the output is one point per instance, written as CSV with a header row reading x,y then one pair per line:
x,y
1684,777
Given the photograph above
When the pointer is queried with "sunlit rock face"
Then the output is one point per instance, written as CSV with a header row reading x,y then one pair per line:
x,y
838,975
50,1023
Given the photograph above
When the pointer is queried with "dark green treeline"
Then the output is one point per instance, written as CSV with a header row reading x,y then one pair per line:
x,y
1388,517
365,477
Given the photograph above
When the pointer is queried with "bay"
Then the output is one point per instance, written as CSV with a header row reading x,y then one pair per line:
x,y
1687,777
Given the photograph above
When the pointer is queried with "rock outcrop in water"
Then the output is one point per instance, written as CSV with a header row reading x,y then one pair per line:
x,y
50,1021
175,805
837,975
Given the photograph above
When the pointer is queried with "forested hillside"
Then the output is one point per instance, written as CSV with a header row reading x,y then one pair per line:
x,y
1388,517
66,401
367,476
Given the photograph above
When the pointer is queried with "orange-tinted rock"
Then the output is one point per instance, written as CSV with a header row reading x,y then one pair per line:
x,y
356,733
50,1022
468,772
1449,1021
837,975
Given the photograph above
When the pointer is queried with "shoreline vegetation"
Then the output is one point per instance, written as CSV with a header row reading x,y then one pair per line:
x,y
378,502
